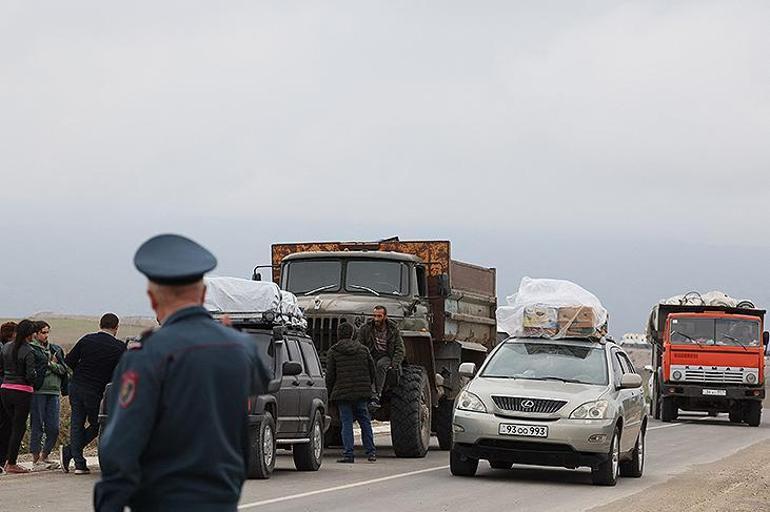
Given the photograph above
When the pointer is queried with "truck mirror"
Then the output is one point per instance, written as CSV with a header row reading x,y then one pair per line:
x,y
467,370
766,338
444,289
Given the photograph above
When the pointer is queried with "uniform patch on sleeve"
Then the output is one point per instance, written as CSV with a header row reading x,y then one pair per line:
x,y
128,384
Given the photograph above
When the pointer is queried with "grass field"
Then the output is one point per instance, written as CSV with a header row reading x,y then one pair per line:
x,y
66,331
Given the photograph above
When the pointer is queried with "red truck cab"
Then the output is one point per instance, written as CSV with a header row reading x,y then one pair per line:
x,y
710,359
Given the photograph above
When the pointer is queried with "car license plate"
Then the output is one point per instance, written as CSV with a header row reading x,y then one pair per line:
x,y
715,392
509,429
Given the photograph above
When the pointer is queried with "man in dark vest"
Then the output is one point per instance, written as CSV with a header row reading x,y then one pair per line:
x,y
349,379
177,434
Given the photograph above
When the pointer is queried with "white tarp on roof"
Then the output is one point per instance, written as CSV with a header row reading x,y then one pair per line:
x,y
236,295
552,308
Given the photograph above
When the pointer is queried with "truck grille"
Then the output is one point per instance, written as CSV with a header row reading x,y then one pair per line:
x,y
713,374
323,332
516,403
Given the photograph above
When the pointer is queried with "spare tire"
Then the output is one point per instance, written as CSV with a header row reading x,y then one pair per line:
x,y
410,413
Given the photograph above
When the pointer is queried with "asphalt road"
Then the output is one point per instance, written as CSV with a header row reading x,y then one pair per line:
x,y
401,485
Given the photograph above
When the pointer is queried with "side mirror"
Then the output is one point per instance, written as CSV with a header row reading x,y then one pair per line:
x,y
444,289
630,381
467,370
291,368
766,338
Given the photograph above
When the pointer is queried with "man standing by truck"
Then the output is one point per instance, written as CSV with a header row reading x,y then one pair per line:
x,y
383,339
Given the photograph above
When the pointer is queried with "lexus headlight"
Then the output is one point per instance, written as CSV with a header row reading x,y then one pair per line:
x,y
591,411
467,401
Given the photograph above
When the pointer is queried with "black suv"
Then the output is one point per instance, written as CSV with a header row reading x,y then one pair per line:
x,y
293,414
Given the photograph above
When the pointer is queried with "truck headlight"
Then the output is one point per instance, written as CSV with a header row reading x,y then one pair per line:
x,y
591,411
677,375
751,378
467,401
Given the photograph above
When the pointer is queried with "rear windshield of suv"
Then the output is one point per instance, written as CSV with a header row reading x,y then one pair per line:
x,y
549,361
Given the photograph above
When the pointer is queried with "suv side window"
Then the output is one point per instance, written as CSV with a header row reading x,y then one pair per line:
x,y
617,368
294,353
628,367
311,358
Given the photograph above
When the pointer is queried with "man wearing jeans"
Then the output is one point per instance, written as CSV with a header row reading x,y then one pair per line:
x,y
92,360
349,378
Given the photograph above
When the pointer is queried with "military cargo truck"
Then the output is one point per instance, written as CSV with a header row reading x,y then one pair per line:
x,y
445,310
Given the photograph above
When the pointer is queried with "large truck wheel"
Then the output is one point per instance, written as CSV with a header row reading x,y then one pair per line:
x,y
668,409
309,456
410,413
443,423
753,413
262,448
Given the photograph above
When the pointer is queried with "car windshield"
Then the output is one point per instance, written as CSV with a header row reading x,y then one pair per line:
x,y
549,361
313,276
714,331
377,277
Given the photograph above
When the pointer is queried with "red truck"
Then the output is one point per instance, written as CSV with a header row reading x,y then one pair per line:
x,y
708,358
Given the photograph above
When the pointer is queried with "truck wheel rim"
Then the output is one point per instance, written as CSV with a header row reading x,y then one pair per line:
x,y
267,446
317,444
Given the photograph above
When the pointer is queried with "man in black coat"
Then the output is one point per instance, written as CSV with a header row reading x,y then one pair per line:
x,y
350,374
92,361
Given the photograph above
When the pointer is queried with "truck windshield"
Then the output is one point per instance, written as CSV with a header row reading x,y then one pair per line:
x,y
548,361
714,331
378,277
313,276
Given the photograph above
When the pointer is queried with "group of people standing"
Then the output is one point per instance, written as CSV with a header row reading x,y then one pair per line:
x,y
35,374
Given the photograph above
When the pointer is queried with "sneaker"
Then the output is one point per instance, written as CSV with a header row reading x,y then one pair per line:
x,y
52,464
346,460
41,465
15,469
82,471
65,457
372,458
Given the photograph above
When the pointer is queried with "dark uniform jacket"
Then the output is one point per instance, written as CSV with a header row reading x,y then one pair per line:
x,y
395,347
22,369
349,371
177,434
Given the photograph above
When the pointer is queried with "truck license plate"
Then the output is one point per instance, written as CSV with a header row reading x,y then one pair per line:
x,y
715,392
509,429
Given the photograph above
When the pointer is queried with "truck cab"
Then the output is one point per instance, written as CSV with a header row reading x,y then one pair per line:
x,y
709,359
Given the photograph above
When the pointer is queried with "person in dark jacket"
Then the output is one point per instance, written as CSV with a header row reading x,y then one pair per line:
x,y
177,433
92,361
17,369
383,339
350,375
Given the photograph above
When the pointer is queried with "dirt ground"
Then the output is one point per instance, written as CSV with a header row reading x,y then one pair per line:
x,y
739,483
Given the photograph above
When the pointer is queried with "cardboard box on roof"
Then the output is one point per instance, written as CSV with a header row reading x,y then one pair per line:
x,y
578,317
541,317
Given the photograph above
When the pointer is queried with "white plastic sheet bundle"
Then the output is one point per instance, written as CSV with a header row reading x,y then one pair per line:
x,y
552,308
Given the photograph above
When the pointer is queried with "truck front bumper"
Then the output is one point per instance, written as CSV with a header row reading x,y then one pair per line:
x,y
708,391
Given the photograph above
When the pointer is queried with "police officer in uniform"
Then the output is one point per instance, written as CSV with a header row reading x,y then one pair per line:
x,y
177,434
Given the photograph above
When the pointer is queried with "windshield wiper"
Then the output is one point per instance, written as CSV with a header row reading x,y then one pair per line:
x,y
319,289
357,287
736,340
551,377
685,336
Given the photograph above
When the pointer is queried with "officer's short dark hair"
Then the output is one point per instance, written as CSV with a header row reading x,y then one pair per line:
x,y
345,331
382,308
109,321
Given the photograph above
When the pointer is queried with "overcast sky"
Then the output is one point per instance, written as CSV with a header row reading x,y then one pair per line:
x,y
622,145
